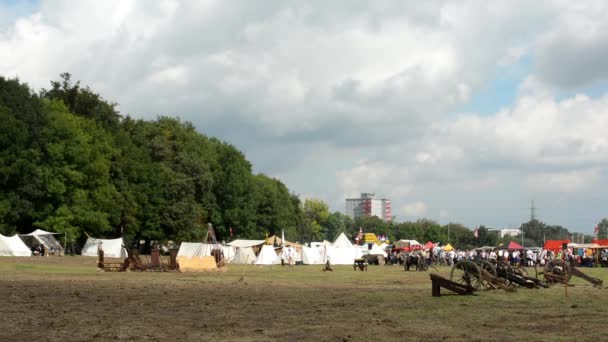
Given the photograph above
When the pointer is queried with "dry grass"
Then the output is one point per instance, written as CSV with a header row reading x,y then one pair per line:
x,y
67,298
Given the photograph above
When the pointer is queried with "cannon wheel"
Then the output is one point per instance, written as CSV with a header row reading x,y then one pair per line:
x,y
503,270
465,272
556,269
488,267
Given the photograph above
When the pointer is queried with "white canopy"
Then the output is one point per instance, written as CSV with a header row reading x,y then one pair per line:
x,y
112,248
13,246
245,243
43,237
267,256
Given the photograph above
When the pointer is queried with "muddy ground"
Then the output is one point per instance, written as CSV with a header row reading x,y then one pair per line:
x,y
52,299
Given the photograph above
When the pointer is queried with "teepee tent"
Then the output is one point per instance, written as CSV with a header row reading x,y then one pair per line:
x,y
267,256
13,246
342,241
41,237
112,248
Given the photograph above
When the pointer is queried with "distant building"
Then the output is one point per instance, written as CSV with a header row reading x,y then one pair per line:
x,y
505,231
367,205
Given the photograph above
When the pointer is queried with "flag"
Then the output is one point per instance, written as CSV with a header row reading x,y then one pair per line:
x,y
597,229
230,231
359,236
476,233
266,237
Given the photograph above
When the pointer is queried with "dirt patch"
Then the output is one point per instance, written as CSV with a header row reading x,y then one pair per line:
x,y
44,303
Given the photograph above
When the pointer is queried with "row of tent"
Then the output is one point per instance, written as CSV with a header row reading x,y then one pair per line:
x,y
259,252
22,244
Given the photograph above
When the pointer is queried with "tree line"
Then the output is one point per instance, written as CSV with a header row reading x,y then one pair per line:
x,y
71,163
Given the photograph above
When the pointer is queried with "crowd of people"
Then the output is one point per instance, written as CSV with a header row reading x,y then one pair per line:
x,y
517,257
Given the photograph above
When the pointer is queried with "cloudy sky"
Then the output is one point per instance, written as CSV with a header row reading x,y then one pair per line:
x,y
461,111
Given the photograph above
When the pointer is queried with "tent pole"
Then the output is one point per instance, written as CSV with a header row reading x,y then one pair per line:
x,y
65,241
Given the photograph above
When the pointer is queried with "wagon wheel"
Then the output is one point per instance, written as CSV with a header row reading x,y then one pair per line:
x,y
488,267
465,272
557,271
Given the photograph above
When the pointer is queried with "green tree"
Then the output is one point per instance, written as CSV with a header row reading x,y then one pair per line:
x,y
315,215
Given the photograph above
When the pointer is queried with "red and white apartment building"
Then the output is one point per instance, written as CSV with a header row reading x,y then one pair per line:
x,y
367,205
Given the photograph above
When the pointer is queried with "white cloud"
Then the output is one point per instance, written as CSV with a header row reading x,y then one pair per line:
x,y
416,209
570,181
349,97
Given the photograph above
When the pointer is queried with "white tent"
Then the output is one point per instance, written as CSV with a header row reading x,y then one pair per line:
x,y
191,249
197,249
311,256
409,243
340,256
342,242
43,237
267,256
244,255
376,250
245,243
112,248
13,246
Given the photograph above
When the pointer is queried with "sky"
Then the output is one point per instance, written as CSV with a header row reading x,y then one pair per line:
x,y
457,111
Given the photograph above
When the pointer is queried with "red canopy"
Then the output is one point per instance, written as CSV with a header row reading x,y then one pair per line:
x,y
514,245
600,242
412,248
429,245
555,245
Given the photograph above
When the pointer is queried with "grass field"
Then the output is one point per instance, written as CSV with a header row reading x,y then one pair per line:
x,y
69,299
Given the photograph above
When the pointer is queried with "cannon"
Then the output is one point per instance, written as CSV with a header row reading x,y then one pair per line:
x,y
558,271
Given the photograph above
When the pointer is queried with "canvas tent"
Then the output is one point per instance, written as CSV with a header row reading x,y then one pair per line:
x,y
376,250
245,243
267,256
41,237
244,255
192,249
277,241
13,246
311,256
340,255
448,248
112,248
342,241
407,243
